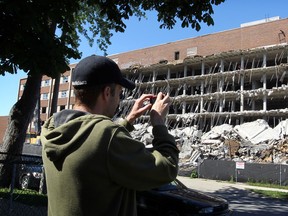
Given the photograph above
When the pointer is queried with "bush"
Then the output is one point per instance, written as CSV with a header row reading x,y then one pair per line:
x,y
194,174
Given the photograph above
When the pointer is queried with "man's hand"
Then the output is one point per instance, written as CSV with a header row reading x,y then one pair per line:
x,y
140,107
160,109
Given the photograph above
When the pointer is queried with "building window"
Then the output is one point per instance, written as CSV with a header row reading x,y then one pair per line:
x,y
62,107
64,79
44,96
43,109
46,83
63,94
22,87
176,55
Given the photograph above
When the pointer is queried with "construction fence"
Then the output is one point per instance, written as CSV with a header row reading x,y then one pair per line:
x,y
26,194
244,172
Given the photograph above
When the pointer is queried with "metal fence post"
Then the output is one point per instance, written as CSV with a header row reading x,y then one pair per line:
x,y
236,174
280,174
12,188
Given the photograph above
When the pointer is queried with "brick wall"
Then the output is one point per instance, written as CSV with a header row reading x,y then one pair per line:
x,y
264,34
3,126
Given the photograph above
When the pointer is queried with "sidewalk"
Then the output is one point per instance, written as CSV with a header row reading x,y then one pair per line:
x,y
207,185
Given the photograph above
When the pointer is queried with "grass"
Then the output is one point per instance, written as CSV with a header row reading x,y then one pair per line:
x,y
27,197
268,193
268,185
272,194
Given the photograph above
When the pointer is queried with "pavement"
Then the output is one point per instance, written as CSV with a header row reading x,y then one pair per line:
x,y
212,186
242,201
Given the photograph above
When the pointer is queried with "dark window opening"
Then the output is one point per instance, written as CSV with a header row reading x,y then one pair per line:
x,y
177,55
43,109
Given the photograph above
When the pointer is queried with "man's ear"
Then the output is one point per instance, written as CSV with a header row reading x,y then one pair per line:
x,y
106,93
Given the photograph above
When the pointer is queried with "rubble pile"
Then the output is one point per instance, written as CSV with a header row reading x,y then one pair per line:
x,y
254,142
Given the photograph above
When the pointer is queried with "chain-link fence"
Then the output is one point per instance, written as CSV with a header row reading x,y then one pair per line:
x,y
26,194
244,172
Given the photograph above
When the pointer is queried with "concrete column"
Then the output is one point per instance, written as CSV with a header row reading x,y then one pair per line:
x,y
168,78
153,80
184,90
264,83
185,85
253,86
168,87
192,87
140,78
242,89
233,89
253,101
221,86
202,87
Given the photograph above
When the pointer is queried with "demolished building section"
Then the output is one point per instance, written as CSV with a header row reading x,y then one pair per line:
x,y
253,142
242,93
231,87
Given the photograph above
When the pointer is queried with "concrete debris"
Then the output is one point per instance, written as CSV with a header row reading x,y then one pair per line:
x,y
256,132
254,142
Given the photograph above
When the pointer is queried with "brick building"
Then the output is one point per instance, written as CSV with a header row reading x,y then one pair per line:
x,y
3,126
233,76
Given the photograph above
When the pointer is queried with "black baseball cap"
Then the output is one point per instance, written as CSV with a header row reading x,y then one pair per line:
x,y
98,70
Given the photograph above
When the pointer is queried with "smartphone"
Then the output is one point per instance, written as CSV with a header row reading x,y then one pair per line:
x,y
152,100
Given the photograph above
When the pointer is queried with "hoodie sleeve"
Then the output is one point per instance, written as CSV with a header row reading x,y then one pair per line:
x,y
127,125
130,164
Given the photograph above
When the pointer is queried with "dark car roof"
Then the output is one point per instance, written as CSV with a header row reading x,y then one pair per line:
x,y
178,190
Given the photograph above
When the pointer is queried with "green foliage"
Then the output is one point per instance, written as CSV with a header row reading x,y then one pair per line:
x,y
266,184
194,174
272,194
190,12
27,36
40,36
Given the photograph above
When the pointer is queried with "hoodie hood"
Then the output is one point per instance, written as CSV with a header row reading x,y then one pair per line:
x,y
65,131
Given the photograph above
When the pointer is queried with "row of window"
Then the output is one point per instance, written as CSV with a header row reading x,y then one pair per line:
x,y
63,79
45,83
44,110
62,94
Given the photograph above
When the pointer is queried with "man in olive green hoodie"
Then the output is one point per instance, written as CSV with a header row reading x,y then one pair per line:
x,y
93,166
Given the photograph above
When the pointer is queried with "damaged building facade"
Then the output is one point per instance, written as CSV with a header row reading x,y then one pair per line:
x,y
229,93
232,77
230,87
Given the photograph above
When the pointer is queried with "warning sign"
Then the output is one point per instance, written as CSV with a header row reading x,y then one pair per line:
x,y
240,165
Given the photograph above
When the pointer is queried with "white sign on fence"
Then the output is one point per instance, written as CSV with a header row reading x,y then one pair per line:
x,y
240,165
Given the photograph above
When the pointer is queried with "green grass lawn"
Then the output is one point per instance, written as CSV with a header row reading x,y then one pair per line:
x,y
261,184
268,193
272,194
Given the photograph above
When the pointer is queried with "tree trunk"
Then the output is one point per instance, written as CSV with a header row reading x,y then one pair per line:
x,y
37,118
20,116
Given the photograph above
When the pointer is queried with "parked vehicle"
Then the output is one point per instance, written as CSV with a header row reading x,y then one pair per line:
x,y
30,176
175,199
